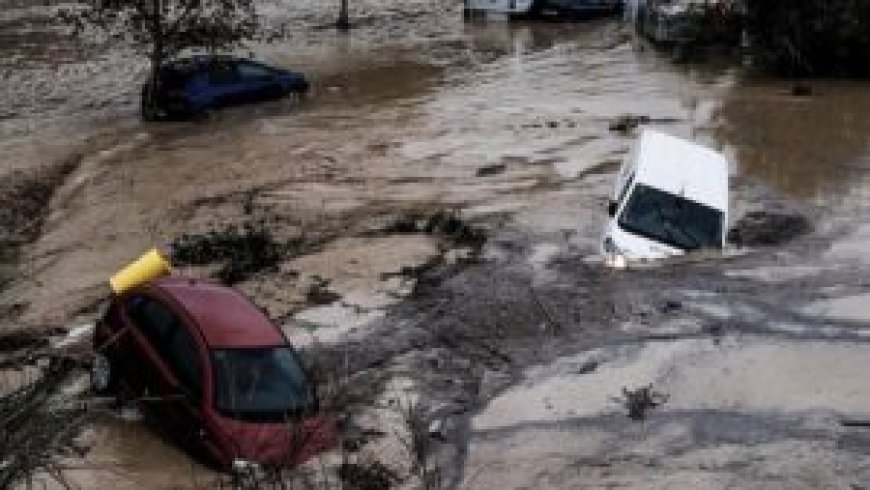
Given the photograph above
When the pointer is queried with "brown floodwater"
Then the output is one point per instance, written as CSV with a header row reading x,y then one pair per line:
x,y
809,147
404,111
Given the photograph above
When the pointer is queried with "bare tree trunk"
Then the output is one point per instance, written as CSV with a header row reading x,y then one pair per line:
x,y
343,22
157,33
149,102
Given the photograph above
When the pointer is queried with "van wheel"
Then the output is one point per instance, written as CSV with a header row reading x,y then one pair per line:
x,y
103,375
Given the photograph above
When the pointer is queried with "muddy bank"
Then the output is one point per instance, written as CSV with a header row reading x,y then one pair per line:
x,y
41,409
24,206
25,200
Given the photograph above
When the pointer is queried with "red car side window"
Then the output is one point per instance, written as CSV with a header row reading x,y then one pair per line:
x,y
152,319
183,357
171,338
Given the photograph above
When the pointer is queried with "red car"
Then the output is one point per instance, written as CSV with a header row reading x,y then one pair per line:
x,y
209,367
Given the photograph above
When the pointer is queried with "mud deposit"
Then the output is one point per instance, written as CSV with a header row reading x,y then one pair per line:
x,y
427,229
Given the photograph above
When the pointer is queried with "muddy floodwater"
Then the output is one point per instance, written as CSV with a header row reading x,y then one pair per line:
x,y
519,350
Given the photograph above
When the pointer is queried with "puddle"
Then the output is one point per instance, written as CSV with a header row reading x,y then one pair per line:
x,y
855,246
746,374
815,331
366,274
848,309
542,253
590,156
747,411
493,209
727,312
328,324
778,274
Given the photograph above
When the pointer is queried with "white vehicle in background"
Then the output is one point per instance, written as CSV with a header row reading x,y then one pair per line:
x,y
671,197
507,7
543,8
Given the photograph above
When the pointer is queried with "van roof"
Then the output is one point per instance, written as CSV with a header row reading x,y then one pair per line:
x,y
682,168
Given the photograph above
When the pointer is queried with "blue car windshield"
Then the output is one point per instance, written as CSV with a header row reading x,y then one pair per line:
x,y
670,219
261,383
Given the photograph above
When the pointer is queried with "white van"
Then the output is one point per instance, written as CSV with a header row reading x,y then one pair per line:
x,y
545,8
508,7
671,196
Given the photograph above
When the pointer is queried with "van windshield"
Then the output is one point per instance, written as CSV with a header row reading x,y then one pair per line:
x,y
670,219
260,384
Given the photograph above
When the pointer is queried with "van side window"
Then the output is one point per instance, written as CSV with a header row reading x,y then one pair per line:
x,y
171,338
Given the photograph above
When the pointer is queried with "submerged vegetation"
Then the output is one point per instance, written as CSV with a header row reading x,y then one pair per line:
x,y
240,251
639,401
810,37
795,38
38,423
447,224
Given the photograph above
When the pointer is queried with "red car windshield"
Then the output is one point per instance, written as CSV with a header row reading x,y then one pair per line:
x,y
261,384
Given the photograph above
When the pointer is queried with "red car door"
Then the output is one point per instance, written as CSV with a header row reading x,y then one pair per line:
x,y
167,361
143,371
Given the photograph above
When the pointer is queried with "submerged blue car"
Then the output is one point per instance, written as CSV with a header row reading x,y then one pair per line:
x,y
192,85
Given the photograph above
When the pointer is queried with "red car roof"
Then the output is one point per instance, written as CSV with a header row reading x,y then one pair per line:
x,y
224,317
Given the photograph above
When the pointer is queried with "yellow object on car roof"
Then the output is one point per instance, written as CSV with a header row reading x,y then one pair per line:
x,y
150,266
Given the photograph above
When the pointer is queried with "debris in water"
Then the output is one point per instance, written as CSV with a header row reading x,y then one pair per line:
x,y
318,292
768,228
38,424
22,339
490,170
860,423
628,122
671,306
367,476
448,224
801,90
242,251
638,402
